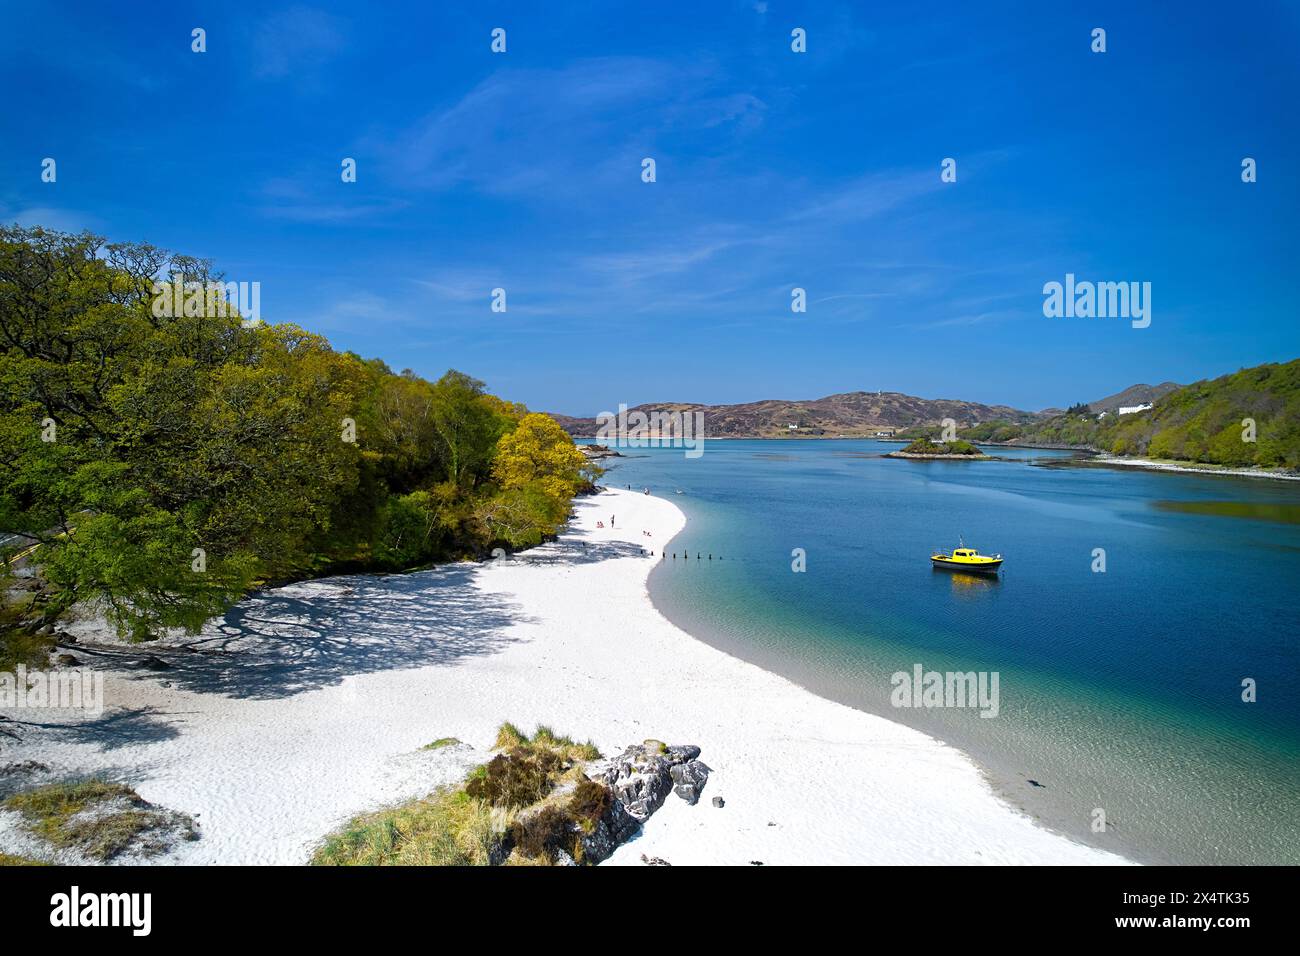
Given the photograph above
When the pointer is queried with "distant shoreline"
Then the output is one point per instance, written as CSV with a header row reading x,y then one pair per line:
x,y
1192,468
916,457
1093,455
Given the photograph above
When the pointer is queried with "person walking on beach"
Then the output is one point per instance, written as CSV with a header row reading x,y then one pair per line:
x,y
611,521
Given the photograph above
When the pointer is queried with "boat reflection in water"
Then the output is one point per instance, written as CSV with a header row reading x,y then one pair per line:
x,y
964,582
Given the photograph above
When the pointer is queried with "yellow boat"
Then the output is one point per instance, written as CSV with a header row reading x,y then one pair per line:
x,y
967,559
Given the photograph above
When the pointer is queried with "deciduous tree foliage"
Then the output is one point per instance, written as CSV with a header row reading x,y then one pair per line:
x,y
539,452
193,456
1202,422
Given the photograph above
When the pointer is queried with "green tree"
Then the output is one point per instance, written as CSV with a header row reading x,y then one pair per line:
x,y
523,516
162,463
540,452
466,427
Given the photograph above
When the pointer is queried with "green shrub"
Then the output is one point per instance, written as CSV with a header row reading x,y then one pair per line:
x,y
540,834
21,647
590,802
517,779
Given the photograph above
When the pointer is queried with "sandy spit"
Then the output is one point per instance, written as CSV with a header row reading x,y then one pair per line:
x,y
310,703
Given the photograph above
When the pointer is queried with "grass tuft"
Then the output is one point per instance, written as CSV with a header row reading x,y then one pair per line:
x,y
99,818
517,808
508,736
50,807
8,859
446,828
440,743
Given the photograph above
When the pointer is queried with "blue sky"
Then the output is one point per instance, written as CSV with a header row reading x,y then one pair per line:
x,y
774,170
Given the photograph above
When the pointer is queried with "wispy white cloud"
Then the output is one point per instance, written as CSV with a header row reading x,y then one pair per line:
x,y
975,318
356,308
866,197
331,212
648,263
545,133
50,217
297,39
853,295
311,198
462,285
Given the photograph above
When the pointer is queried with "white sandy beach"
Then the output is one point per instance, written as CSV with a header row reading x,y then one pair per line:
x,y
1152,465
310,703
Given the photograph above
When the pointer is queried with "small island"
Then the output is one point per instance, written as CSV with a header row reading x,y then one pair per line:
x,y
924,448
596,452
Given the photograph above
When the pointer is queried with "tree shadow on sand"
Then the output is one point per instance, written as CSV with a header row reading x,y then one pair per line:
x,y
312,634
113,729
576,548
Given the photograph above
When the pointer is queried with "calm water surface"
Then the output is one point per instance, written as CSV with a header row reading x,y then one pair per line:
x,y
1119,691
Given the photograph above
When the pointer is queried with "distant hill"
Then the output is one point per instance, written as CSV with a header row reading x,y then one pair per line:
x,y
1201,422
848,415
1133,395
577,427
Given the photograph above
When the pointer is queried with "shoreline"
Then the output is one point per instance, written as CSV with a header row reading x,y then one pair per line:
x,y
912,456
1003,772
1092,455
1150,464
309,704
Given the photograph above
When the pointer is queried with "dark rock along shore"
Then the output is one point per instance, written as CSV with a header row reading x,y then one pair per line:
x,y
640,779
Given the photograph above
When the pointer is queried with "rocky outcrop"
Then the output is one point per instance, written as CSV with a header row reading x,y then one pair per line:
x,y
643,775
689,779
640,779
905,454
595,452
615,827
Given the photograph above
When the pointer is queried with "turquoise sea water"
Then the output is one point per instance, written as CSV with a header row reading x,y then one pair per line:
x,y
1119,691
